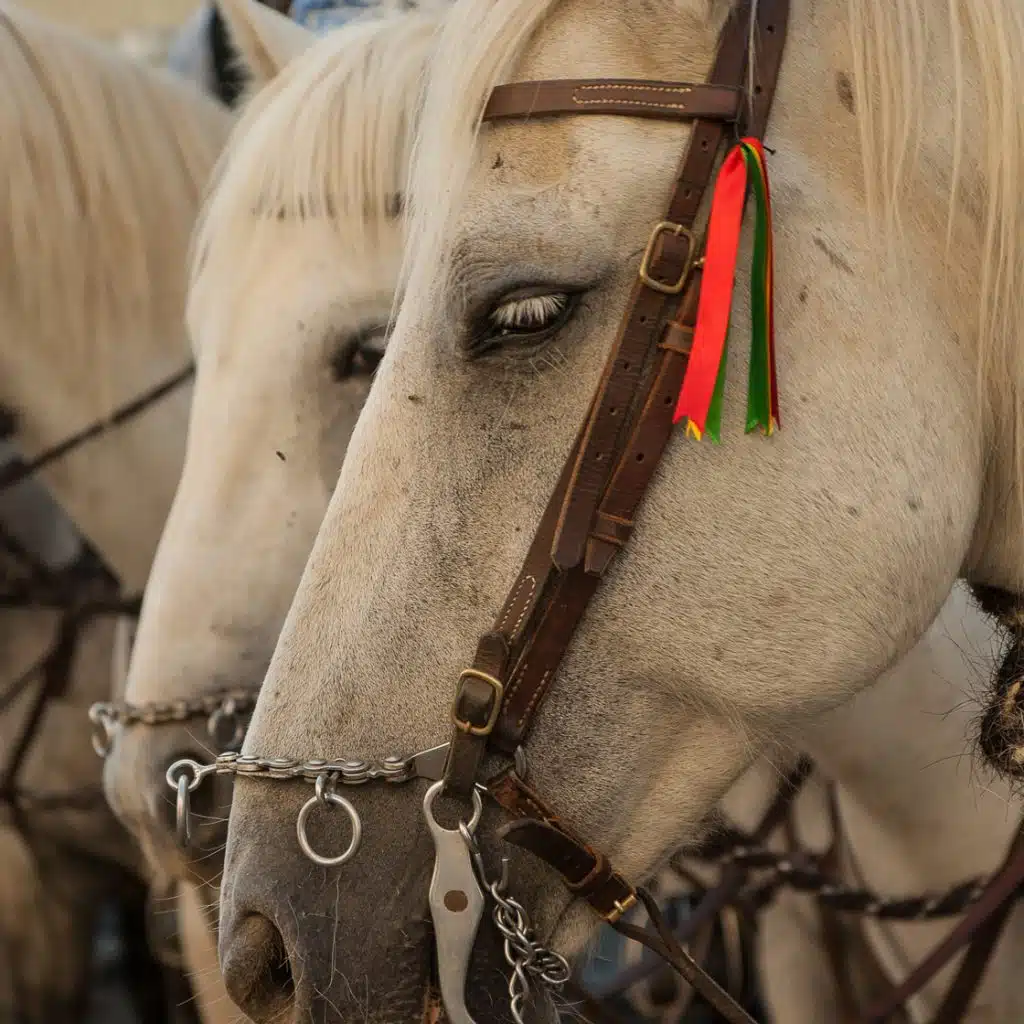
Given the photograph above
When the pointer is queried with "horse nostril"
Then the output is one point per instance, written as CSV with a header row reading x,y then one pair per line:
x,y
257,972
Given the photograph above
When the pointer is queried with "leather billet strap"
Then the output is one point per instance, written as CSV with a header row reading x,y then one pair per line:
x,y
663,101
587,874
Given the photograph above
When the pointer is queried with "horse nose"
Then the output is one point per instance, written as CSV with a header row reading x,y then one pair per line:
x,y
135,781
257,970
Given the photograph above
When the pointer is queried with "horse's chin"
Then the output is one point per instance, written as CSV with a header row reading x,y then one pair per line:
x,y
487,996
541,1009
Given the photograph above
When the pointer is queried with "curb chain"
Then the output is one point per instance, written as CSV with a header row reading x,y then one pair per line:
x,y
226,713
527,958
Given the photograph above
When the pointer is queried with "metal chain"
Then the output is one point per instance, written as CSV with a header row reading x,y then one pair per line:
x,y
527,958
801,872
186,776
349,772
225,712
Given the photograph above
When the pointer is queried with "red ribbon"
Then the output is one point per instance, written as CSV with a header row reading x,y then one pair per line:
x,y
713,309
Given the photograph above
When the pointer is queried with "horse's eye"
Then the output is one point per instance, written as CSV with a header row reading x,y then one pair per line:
x,y
523,317
529,314
361,354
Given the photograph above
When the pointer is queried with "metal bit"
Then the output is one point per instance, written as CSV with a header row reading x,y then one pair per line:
x,y
456,905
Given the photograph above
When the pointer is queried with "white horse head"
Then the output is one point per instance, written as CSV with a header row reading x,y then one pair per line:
x,y
322,150
767,579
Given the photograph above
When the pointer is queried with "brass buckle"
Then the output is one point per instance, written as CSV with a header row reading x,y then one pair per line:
x,y
499,694
620,908
670,227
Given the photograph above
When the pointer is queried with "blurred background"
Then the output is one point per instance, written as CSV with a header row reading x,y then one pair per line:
x,y
144,27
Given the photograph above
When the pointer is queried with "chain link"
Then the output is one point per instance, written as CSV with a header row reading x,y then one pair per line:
x,y
186,776
529,960
225,712
348,772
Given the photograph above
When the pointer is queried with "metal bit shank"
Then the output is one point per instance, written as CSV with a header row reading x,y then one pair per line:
x,y
456,905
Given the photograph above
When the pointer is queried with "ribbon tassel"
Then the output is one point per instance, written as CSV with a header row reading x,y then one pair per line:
x,y
700,400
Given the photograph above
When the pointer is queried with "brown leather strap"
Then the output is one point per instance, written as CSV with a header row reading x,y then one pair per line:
x,y
665,101
612,491
635,390
769,44
671,251
534,588
972,970
1001,890
587,874
665,945
523,651
516,661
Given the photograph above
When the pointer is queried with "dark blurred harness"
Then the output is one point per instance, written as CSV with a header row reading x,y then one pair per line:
x,y
80,593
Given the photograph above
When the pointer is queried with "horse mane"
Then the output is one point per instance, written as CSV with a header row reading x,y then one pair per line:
x,y
104,163
891,42
328,139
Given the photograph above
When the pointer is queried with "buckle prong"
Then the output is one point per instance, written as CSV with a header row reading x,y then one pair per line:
x,y
620,907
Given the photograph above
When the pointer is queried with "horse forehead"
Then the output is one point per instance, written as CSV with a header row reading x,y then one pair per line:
x,y
562,192
289,280
609,39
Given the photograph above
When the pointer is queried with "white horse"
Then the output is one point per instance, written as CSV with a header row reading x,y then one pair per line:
x,y
104,163
269,425
734,620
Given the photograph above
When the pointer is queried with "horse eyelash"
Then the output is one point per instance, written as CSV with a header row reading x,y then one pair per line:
x,y
534,312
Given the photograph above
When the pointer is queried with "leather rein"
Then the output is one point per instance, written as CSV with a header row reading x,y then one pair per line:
x,y
590,515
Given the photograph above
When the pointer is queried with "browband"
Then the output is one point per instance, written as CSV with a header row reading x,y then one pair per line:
x,y
665,101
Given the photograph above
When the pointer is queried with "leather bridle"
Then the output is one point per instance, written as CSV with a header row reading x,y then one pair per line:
x,y
589,518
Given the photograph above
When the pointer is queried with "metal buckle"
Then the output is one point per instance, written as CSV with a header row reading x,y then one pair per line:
x,y
662,227
499,693
621,907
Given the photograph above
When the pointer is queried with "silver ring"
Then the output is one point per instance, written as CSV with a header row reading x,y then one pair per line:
x,y
478,807
226,714
102,729
184,817
101,739
329,797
